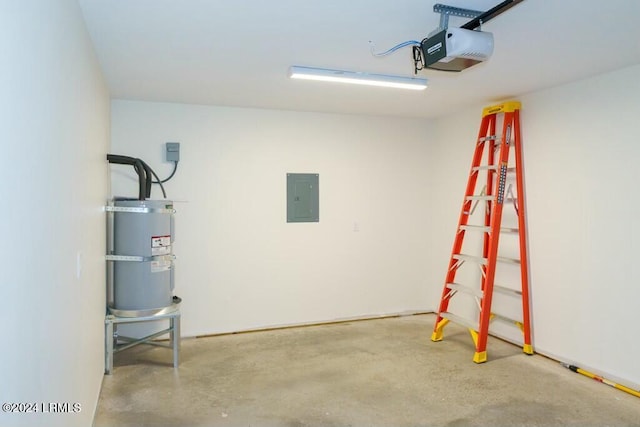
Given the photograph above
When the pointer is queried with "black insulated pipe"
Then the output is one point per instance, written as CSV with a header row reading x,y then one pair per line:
x,y
144,181
137,166
144,171
150,175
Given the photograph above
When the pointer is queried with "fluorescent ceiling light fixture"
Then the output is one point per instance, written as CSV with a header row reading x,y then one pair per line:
x,y
358,78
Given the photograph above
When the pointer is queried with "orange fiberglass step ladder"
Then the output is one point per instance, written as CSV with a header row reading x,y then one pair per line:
x,y
491,157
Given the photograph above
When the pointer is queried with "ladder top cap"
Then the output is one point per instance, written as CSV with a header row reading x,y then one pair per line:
x,y
505,107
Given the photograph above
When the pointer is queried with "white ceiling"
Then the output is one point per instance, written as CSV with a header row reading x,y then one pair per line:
x,y
237,52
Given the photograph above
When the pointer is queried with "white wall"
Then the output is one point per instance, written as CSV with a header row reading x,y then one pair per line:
x,y
581,151
54,115
240,265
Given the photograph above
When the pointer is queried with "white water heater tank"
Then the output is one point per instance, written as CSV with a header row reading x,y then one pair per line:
x,y
143,271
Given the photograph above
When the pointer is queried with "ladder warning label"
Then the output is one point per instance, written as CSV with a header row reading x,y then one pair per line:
x,y
160,245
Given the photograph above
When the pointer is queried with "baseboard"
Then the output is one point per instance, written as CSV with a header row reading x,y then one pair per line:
x,y
320,322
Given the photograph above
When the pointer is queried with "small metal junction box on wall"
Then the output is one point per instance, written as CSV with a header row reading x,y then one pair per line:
x,y
303,197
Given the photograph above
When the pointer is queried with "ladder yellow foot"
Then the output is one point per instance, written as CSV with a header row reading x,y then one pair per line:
x,y
474,336
437,332
480,357
528,349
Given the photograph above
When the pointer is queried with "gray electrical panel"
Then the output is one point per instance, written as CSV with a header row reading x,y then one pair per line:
x,y
303,197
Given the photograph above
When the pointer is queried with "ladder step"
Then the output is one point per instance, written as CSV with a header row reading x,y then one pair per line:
x,y
489,198
486,228
507,291
467,227
490,138
473,325
480,197
492,168
479,293
482,260
496,316
508,230
509,260
466,289
459,320
472,258
485,168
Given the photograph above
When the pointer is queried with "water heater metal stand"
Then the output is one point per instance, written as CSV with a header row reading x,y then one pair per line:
x,y
112,338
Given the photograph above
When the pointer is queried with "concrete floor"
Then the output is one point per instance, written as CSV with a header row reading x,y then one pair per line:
x,y
383,372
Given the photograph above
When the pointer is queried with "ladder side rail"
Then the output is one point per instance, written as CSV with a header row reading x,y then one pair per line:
x,y
496,220
463,219
491,173
522,235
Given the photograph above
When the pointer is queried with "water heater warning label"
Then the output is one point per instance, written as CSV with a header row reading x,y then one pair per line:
x,y
159,266
160,245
